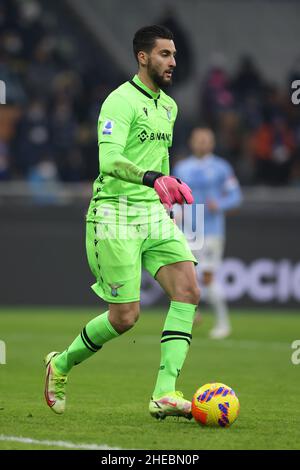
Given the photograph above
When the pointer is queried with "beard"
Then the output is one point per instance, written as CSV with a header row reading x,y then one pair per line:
x,y
157,78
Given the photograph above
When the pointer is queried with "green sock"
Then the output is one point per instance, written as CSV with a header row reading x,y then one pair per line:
x,y
175,342
97,332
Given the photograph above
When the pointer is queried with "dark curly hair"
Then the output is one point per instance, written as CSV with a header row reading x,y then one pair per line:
x,y
144,39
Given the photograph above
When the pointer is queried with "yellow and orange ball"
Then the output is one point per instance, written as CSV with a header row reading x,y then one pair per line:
x,y
215,404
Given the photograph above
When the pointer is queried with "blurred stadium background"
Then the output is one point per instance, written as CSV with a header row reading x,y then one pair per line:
x,y
236,63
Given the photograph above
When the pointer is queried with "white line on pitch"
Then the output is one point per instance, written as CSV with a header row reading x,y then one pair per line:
x,y
65,444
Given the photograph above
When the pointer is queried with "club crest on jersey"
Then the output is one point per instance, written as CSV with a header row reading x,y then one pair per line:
x,y
108,127
168,109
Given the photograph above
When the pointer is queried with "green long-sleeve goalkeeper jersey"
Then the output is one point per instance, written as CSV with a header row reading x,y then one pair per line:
x,y
135,130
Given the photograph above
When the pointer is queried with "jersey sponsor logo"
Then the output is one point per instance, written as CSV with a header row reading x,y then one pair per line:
x,y
143,136
145,111
108,127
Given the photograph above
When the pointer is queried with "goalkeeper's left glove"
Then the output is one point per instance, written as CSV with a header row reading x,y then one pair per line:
x,y
171,190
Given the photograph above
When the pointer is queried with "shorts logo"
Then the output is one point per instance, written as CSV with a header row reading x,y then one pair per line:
x,y
114,288
108,127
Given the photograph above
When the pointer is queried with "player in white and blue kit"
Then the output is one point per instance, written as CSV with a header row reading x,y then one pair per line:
x,y
213,184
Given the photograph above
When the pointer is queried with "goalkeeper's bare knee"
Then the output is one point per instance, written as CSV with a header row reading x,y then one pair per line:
x,y
123,316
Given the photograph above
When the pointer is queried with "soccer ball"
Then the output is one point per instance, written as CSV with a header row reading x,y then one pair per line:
x,y
215,404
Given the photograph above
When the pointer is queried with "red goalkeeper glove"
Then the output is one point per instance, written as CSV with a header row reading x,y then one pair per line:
x,y
170,190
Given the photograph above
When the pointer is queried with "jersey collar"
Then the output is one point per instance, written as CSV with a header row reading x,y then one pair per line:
x,y
139,85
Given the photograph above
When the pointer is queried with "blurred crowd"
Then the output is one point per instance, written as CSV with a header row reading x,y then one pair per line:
x,y
57,78
257,126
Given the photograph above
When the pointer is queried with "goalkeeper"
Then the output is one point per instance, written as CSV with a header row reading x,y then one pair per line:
x,y
130,197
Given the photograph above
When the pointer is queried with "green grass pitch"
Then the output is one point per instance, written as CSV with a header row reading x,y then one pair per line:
x,y
107,396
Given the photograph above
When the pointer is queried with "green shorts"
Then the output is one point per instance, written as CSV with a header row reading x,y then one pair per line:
x,y
117,254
